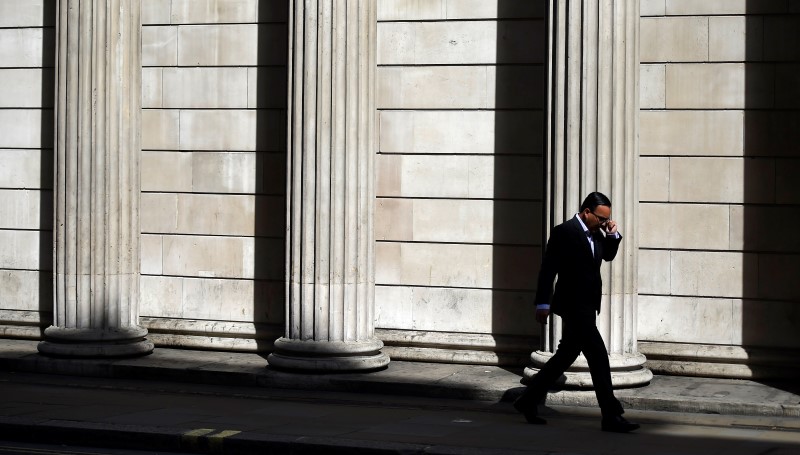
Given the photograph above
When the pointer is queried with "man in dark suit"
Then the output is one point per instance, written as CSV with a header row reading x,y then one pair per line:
x,y
574,253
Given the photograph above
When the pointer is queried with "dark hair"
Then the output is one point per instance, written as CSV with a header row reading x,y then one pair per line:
x,y
594,199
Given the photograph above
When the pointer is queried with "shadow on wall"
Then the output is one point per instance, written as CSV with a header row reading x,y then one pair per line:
x,y
518,177
269,269
771,212
47,160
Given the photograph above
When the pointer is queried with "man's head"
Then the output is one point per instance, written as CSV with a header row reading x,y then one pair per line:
x,y
595,211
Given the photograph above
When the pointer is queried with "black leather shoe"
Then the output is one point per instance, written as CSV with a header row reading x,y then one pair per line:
x,y
617,424
529,410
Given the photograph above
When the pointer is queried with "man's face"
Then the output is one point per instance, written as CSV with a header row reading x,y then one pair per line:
x,y
597,218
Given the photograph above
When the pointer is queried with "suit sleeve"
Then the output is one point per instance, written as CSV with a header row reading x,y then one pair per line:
x,y
549,269
610,247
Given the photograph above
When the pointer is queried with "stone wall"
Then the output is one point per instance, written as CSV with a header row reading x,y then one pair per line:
x,y
26,172
459,178
458,219
213,172
719,148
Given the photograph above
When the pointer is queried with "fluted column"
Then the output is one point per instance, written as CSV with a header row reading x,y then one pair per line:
x,y
331,138
592,145
96,232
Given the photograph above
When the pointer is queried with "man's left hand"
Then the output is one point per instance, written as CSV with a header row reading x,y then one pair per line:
x,y
611,227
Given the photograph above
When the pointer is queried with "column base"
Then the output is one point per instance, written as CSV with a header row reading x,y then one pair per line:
x,y
627,370
67,342
327,356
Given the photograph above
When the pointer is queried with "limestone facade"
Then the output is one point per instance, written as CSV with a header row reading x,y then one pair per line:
x,y
459,188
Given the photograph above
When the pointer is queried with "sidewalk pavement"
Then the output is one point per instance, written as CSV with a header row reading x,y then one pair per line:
x,y
482,386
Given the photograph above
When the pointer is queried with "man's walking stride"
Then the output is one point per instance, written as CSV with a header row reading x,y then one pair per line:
x,y
574,253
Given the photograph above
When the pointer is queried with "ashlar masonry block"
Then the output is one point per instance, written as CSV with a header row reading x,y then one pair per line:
x,y
688,39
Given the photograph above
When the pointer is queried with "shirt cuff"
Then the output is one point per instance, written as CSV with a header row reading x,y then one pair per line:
x,y
543,306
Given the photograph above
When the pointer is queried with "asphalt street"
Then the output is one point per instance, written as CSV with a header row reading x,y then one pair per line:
x,y
62,414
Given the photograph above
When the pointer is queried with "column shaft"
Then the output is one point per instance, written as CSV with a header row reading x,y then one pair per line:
x,y
592,145
331,138
96,251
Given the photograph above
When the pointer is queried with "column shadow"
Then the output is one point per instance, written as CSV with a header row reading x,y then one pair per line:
x,y
46,165
518,178
770,213
270,161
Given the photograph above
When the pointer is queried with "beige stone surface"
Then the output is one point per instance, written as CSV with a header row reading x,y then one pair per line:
x,y
394,219
720,86
653,179
23,128
461,132
226,214
152,83
720,180
446,309
232,45
466,221
166,171
26,13
702,132
25,47
688,39
152,253
394,307
473,42
218,130
456,265
224,300
159,213
23,249
155,11
714,274
411,10
690,319
213,11
458,176
160,129
161,296
652,86
735,38
238,172
26,209
459,87
204,88
25,88
23,169
652,7
684,226
159,46
21,289
654,271
223,257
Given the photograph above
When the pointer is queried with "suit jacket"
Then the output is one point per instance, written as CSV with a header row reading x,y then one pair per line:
x,y
568,255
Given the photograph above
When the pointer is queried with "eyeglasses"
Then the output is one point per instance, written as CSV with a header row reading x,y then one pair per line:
x,y
601,219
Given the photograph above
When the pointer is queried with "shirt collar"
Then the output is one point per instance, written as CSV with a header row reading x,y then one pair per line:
x,y
585,229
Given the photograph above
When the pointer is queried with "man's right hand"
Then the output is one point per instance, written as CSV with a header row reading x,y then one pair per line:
x,y
541,315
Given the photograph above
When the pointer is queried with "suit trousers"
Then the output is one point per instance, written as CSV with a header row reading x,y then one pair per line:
x,y
579,334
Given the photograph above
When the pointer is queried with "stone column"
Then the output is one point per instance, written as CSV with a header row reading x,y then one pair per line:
x,y
96,233
592,144
331,139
